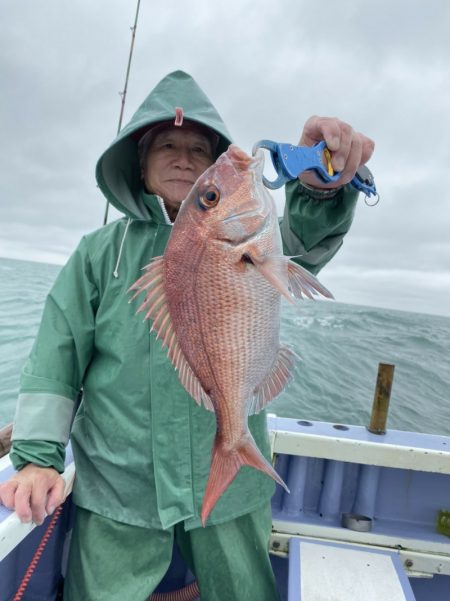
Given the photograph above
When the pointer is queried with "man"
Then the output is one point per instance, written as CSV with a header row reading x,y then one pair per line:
x,y
142,446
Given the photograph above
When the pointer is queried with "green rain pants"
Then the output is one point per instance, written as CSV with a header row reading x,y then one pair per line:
x,y
111,561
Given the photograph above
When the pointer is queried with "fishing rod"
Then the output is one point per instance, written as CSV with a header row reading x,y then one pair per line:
x,y
123,94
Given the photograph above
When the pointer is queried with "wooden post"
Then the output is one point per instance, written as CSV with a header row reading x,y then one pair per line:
x,y
381,398
5,440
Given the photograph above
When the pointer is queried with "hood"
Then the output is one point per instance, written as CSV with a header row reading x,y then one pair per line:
x,y
118,172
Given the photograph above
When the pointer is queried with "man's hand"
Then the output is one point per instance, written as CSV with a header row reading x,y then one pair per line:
x,y
33,493
349,149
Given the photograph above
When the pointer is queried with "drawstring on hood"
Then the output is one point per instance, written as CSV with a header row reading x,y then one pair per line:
x,y
116,270
164,210
167,221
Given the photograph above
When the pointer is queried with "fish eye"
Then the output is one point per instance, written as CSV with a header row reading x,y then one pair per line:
x,y
209,198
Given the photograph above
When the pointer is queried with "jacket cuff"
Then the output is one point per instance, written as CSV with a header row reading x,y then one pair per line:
x,y
319,193
38,452
313,230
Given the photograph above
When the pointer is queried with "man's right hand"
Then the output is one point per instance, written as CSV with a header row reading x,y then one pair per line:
x,y
33,493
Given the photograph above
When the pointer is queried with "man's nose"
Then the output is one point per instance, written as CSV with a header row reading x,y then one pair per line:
x,y
184,158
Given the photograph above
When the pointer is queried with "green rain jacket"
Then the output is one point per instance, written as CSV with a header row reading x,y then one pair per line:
x,y
142,446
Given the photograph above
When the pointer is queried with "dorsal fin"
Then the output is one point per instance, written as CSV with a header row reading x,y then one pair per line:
x,y
157,310
276,380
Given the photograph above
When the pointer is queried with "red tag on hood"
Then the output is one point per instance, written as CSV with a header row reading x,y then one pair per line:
x,y
178,116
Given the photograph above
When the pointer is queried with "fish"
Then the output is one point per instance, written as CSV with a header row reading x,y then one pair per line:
x,y
214,300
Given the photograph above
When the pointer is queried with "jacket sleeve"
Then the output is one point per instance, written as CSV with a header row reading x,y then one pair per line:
x,y
53,375
313,229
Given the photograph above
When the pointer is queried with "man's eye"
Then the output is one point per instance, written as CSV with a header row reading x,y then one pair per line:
x,y
199,150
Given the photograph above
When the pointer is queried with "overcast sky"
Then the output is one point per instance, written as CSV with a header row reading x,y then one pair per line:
x,y
382,66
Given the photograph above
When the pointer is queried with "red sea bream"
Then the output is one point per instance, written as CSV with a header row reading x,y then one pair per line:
x,y
214,300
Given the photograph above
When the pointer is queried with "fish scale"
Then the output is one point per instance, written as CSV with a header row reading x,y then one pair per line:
x,y
243,345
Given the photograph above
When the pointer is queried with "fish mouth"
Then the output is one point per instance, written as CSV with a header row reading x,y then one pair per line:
x,y
241,161
239,158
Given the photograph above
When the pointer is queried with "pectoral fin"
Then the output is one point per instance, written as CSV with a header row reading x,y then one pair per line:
x,y
288,278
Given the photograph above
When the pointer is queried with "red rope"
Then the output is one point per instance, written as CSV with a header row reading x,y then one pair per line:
x,y
188,593
37,555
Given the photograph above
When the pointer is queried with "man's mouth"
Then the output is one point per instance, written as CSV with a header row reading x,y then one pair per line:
x,y
181,181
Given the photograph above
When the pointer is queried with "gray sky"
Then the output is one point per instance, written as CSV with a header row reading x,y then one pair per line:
x,y
382,66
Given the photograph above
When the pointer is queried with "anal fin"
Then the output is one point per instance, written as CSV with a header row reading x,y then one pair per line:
x,y
276,380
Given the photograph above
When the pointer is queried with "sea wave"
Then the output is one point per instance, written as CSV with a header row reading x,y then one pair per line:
x,y
340,345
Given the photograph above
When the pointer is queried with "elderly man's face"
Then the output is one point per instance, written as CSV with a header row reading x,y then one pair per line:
x,y
175,159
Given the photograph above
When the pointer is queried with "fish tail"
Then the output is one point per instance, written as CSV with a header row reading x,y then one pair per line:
x,y
225,466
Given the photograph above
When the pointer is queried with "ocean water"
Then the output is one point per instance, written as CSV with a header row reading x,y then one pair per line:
x,y
340,345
